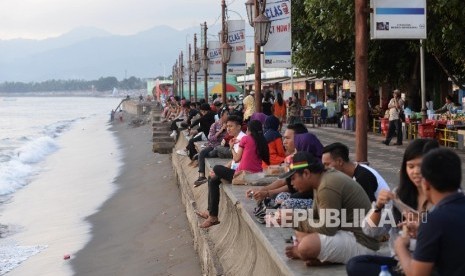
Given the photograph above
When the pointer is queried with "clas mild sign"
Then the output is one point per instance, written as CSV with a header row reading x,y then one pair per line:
x,y
398,19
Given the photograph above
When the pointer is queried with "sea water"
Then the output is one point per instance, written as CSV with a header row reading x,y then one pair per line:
x,y
58,161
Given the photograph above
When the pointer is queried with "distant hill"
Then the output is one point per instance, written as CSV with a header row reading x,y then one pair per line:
x,y
90,53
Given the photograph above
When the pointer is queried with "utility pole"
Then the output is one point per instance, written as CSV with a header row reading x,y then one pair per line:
x,y
361,80
189,68
224,39
195,67
181,63
258,67
205,49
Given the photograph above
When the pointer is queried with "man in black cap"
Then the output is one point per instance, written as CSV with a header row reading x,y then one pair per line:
x,y
332,232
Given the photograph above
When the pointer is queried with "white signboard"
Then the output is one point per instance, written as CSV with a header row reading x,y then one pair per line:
x,y
278,48
214,60
398,19
236,38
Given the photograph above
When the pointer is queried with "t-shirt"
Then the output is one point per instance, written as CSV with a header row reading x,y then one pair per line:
x,y
239,137
250,161
338,191
382,184
440,237
367,180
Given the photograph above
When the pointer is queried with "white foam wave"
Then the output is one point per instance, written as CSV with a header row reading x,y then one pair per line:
x,y
16,172
36,150
12,255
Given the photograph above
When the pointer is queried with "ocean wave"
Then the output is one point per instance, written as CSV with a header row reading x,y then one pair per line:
x,y
16,172
12,255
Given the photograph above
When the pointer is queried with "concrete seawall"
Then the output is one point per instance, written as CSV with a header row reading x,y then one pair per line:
x,y
232,247
238,245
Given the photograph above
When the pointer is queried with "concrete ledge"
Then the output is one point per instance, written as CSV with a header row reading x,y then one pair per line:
x,y
238,245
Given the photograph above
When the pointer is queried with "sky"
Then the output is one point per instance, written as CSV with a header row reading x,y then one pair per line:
x,y
39,19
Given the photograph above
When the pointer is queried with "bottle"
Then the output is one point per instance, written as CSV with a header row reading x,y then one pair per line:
x,y
384,271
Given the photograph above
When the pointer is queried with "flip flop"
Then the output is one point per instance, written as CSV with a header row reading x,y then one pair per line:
x,y
201,214
209,223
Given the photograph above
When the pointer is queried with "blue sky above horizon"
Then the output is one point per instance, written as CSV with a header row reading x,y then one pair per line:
x,y
33,19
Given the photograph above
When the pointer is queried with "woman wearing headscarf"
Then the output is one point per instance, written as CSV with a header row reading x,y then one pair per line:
x,y
259,116
274,140
310,143
249,106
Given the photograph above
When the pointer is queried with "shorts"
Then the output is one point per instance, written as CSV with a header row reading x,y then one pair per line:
x,y
341,247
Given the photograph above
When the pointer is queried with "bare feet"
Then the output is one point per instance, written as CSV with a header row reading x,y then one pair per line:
x,y
292,252
209,222
202,214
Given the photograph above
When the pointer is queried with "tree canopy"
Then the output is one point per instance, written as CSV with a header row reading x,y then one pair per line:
x,y
102,84
324,33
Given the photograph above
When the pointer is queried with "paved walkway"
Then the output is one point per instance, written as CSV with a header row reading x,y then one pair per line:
x,y
385,159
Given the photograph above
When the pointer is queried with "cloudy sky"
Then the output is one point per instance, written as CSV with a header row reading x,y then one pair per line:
x,y
38,19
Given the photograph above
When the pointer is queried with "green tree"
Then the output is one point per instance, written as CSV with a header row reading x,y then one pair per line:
x,y
323,42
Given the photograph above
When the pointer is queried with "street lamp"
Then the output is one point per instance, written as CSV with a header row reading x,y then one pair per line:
x,y
225,51
261,24
189,69
205,61
196,66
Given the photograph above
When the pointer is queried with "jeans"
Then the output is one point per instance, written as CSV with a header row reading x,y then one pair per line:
x,y
221,172
202,155
395,126
369,265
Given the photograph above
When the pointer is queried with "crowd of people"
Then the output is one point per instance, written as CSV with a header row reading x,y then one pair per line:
x,y
421,218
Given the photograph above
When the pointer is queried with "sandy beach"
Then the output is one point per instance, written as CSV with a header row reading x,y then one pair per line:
x,y
142,229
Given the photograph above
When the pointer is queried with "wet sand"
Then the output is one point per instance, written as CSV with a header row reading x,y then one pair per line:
x,y
142,229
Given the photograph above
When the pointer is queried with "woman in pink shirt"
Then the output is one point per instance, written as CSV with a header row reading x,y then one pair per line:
x,y
252,150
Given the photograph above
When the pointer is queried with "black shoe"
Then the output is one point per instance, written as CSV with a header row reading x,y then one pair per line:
x,y
201,180
384,142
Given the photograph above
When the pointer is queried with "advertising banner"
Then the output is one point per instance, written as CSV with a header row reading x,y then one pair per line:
x,y
236,38
398,19
214,60
278,48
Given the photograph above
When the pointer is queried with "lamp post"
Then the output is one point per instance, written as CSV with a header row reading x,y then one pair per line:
x,y
225,51
261,25
205,61
189,68
174,73
181,74
196,66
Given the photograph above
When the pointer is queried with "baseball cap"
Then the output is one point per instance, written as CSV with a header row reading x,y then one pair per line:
x,y
303,160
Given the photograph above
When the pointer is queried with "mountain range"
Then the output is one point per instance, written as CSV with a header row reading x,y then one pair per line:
x,y
89,53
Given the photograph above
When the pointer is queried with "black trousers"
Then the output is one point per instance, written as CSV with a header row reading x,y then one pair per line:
x,y
202,155
191,147
174,126
221,172
395,126
370,265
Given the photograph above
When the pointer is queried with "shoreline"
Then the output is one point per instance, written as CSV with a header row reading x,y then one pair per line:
x,y
142,228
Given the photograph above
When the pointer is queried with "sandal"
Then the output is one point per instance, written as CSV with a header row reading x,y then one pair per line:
x,y
201,180
201,214
208,223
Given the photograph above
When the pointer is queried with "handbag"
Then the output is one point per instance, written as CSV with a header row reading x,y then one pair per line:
x,y
239,178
